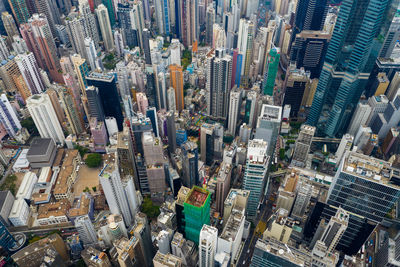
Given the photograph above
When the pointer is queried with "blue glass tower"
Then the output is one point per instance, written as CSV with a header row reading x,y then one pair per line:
x,y
355,44
7,241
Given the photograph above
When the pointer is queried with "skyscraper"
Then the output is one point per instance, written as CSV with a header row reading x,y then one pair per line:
x,y
105,27
89,22
190,164
19,10
162,10
8,117
219,71
207,246
45,117
353,45
71,110
9,25
302,145
110,180
76,33
270,71
49,9
176,78
86,231
30,71
257,162
111,10
108,95
234,109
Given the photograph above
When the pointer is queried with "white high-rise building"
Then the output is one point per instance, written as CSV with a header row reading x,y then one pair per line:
x,y
302,146
207,245
30,71
4,52
175,52
76,34
86,231
345,145
45,117
91,53
254,177
119,43
138,20
89,21
105,27
335,229
113,188
378,105
171,99
234,108
360,117
8,117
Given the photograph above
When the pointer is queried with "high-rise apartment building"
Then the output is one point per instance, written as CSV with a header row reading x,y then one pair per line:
x,y
176,78
8,117
9,25
207,245
19,10
89,21
105,27
76,33
45,117
71,109
302,145
335,101
111,182
270,70
190,164
219,71
30,71
234,109
257,161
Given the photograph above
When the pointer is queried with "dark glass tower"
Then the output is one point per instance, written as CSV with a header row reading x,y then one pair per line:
x,y
108,95
7,241
354,46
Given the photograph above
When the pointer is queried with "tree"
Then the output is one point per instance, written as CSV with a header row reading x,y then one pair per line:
x,y
282,154
82,150
29,124
149,208
86,190
93,160
94,189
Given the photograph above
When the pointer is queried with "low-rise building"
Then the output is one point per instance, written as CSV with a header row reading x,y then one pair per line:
x,y
94,258
41,152
67,175
26,187
279,226
81,206
166,260
53,213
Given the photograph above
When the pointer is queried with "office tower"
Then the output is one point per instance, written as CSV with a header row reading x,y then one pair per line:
x,y
234,109
207,245
110,180
71,109
344,94
95,104
171,131
207,143
359,118
197,212
366,179
162,10
108,95
270,71
171,99
302,201
50,10
138,21
250,112
390,143
146,45
274,253
91,53
388,119
45,117
308,51
248,60
380,84
176,78
297,83
9,25
89,22
268,125
190,164
302,146
105,27
219,71
175,52
86,231
7,241
8,117
161,86
40,42
112,10
257,162
99,134
142,102
310,16
210,20
391,38
19,10
30,71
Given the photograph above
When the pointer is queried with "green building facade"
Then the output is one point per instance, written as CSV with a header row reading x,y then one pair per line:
x,y
271,69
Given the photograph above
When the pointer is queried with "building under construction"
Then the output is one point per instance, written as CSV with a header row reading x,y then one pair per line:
x,y
197,212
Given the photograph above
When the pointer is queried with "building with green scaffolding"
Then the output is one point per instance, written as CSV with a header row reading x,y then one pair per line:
x,y
197,212
271,69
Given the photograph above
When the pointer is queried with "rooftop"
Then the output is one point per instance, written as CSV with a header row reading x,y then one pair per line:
x,y
168,260
56,209
39,146
197,196
67,169
366,167
257,151
232,225
81,206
